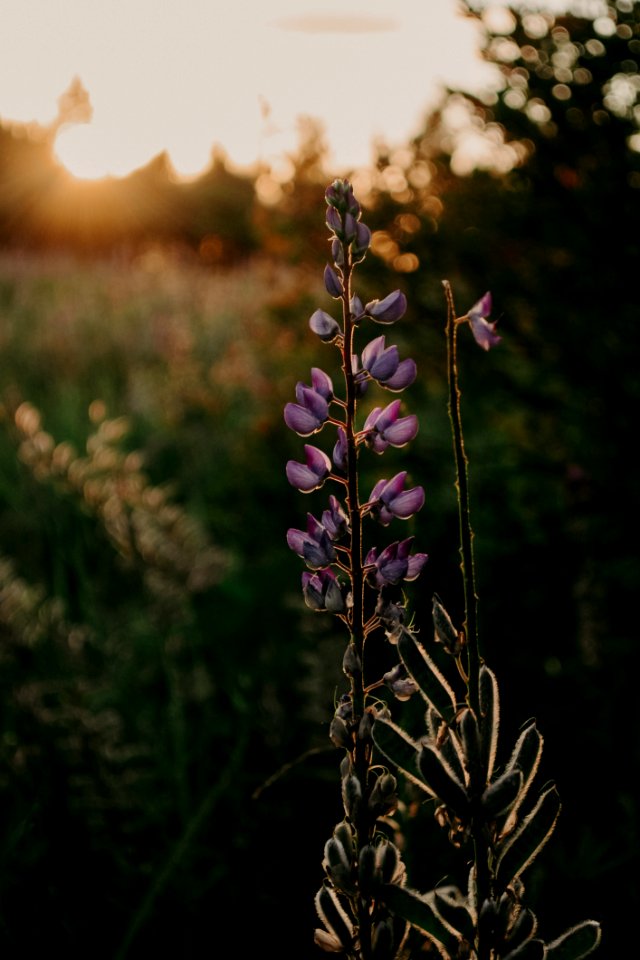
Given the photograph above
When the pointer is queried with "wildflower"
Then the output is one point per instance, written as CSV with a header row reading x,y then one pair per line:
x,y
384,365
335,519
314,545
312,474
323,591
333,285
389,499
384,428
483,331
388,310
324,326
394,564
309,414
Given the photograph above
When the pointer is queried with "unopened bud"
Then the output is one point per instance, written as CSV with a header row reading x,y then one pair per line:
x,y
339,733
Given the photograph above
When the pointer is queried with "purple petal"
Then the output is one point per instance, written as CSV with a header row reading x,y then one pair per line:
x,y
482,308
407,503
295,539
371,351
301,477
324,326
317,460
332,283
403,377
340,450
315,402
388,310
356,308
385,365
415,565
370,422
402,431
392,488
484,332
300,420
321,383
388,416
377,490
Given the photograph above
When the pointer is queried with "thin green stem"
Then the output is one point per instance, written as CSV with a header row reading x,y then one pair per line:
x,y
464,513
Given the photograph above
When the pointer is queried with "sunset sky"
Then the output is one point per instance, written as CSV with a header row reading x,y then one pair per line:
x,y
183,75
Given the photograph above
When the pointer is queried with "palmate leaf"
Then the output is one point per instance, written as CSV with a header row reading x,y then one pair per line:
x,y
433,686
399,749
419,910
576,943
524,844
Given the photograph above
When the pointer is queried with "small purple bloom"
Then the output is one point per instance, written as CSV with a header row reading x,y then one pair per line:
x,y
356,308
310,475
394,564
388,310
314,546
340,451
385,366
309,414
384,428
399,682
334,222
324,325
323,591
389,499
333,283
483,331
335,520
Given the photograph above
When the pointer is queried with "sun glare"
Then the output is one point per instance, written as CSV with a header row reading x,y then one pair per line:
x,y
82,154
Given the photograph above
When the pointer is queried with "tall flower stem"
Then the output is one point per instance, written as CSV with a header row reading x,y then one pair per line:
x,y
464,512
361,753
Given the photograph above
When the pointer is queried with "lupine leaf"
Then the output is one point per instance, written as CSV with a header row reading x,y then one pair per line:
x,y
433,686
529,950
333,915
500,795
454,911
524,844
399,749
441,779
576,943
419,910
489,716
526,757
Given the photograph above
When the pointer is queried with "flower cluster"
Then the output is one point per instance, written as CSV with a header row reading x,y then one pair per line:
x,y
360,582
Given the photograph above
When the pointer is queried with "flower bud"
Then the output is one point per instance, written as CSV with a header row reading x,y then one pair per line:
x,y
333,283
324,326
388,310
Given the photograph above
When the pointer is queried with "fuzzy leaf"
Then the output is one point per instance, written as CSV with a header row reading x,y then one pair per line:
x,y
529,950
576,943
524,844
399,749
526,757
500,795
489,717
419,910
454,912
333,915
433,686
441,779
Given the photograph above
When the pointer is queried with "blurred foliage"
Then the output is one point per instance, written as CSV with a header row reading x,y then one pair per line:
x,y
158,666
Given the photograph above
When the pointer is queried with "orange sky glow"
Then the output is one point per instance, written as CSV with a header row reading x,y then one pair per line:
x,y
185,75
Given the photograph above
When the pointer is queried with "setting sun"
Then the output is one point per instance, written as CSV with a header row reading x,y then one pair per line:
x,y
183,78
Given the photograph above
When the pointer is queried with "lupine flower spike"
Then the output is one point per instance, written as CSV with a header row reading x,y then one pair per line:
x,y
366,907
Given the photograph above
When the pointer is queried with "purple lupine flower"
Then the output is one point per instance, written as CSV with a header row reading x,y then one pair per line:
x,y
324,326
323,591
389,499
384,428
483,331
388,310
394,564
356,308
335,520
333,283
384,365
399,682
310,475
314,545
340,451
309,414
